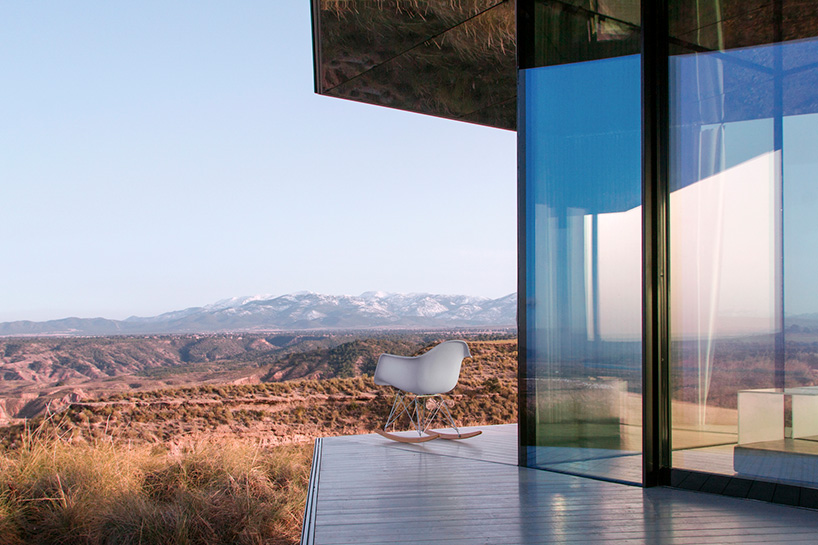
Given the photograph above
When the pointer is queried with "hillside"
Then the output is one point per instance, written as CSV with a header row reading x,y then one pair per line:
x,y
285,412
40,371
42,361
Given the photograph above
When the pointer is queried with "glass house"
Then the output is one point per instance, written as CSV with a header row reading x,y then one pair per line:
x,y
668,218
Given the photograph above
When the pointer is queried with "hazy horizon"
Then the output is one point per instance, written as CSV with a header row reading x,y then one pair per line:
x,y
261,296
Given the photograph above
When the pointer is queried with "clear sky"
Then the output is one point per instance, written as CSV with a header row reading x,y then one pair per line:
x,y
160,155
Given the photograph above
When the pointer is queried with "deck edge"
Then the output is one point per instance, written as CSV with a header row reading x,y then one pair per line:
x,y
308,526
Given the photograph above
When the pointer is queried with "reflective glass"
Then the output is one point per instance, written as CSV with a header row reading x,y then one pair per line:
x,y
743,209
583,301
566,31
729,24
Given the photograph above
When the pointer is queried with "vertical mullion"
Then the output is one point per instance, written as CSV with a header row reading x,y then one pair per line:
x,y
525,431
315,15
655,280
778,147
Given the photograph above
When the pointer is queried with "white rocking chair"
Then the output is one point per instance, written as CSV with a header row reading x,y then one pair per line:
x,y
421,381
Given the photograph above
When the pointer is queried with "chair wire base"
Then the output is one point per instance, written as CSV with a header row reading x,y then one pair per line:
x,y
421,410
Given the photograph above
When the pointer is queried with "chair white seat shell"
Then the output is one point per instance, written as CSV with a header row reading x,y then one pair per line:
x,y
435,372
421,381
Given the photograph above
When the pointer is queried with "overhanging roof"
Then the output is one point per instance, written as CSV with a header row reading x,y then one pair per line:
x,y
438,57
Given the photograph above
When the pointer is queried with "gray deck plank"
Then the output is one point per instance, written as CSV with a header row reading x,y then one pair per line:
x,y
371,490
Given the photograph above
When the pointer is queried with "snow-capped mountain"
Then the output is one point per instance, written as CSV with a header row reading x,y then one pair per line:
x,y
303,310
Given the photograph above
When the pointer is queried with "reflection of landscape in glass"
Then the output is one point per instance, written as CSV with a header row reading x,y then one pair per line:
x,y
743,262
744,312
583,267
580,87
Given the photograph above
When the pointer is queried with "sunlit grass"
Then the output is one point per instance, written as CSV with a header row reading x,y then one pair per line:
x,y
55,491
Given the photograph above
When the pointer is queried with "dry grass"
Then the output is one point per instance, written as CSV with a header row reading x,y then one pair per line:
x,y
54,491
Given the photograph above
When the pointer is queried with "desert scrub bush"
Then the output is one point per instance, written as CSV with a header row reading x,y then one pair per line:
x,y
54,491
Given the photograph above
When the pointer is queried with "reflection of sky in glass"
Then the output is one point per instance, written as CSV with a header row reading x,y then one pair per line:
x,y
724,107
801,214
583,140
583,171
744,124
582,164
583,168
723,251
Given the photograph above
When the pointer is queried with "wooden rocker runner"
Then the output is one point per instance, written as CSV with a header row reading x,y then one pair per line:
x,y
421,381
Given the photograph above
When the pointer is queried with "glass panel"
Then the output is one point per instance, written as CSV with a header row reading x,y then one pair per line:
x,y
580,30
743,206
722,24
583,355
730,24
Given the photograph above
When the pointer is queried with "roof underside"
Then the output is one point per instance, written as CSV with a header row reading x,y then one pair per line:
x,y
438,57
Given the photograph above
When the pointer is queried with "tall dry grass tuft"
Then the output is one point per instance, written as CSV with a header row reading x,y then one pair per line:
x,y
57,491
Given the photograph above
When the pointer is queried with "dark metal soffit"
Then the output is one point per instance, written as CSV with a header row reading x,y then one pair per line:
x,y
455,60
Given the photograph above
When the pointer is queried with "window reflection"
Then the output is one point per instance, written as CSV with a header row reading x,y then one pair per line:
x,y
565,31
730,24
583,268
743,238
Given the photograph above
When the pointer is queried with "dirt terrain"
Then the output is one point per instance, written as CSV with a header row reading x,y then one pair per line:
x,y
50,373
273,413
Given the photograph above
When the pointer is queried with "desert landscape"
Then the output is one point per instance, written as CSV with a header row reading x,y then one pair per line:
x,y
202,438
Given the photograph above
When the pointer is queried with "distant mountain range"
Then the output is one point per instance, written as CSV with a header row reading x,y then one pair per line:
x,y
296,311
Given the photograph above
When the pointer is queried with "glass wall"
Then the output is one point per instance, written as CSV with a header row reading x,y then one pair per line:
x,y
743,240
580,330
744,308
583,267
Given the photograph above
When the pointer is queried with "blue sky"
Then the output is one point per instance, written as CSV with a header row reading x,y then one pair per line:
x,y
161,155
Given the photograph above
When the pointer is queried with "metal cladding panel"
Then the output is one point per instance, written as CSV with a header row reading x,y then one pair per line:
x,y
455,60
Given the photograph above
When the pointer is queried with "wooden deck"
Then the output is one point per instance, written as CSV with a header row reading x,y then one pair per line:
x,y
368,490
